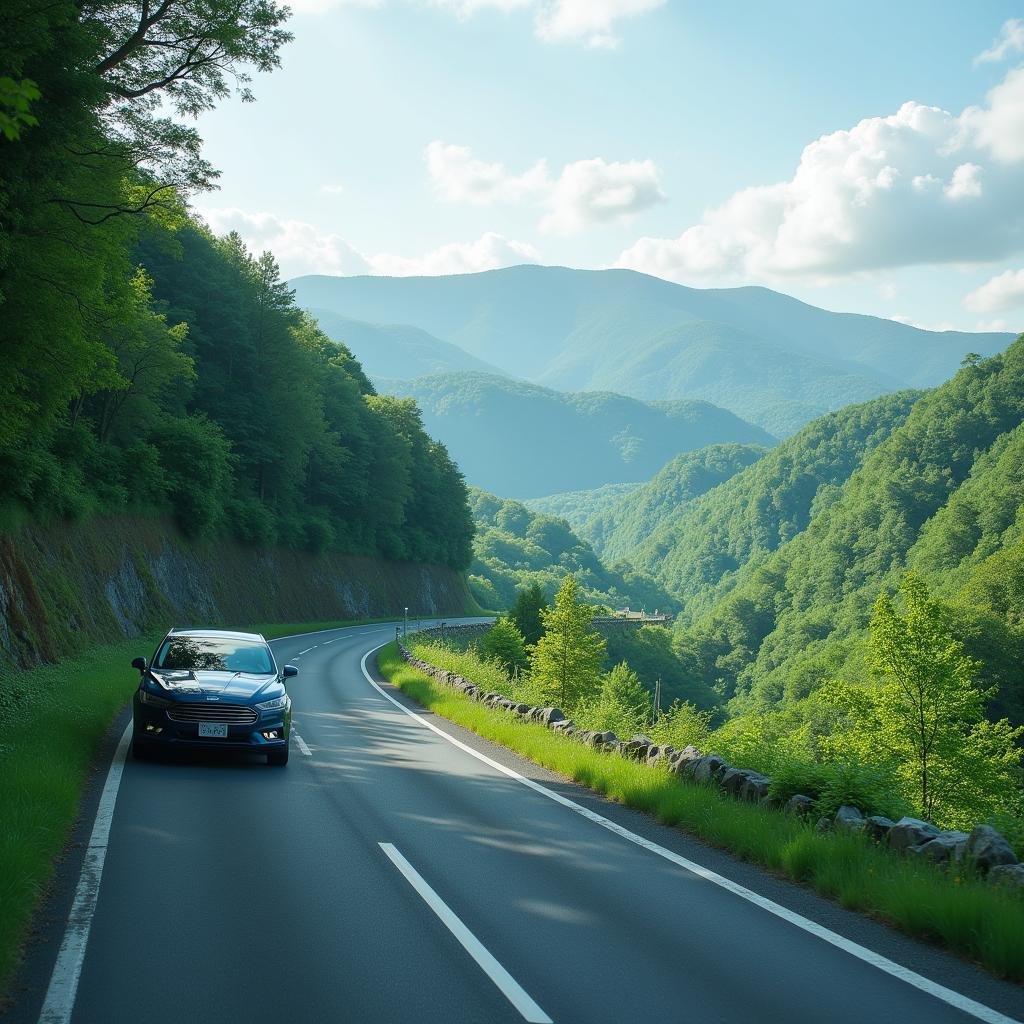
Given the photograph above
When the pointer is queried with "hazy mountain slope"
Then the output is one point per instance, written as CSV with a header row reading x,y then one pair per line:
x,y
578,329
616,531
397,350
775,389
576,507
699,550
942,493
522,440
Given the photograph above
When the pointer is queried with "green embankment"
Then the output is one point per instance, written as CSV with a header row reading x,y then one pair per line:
x,y
954,909
45,761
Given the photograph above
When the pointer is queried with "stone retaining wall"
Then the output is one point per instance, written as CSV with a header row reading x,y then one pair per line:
x,y
984,847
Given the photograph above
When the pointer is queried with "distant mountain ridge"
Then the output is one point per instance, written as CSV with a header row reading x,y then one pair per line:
x,y
765,356
521,440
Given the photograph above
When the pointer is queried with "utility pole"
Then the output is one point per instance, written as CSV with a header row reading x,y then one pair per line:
x,y
657,700
407,623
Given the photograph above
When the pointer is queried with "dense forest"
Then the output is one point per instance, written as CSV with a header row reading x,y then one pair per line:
x,y
619,529
149,367
515,548
941,494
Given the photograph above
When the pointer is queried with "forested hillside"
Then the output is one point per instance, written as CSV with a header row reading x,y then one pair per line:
x,y
576,507
697,549
151,368
941,494
617,530
522,441
515,548
765,356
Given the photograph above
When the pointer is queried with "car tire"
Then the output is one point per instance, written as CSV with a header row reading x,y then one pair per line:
x,y
141,750
278,758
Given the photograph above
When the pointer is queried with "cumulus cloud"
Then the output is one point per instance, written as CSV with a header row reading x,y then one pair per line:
x,y
591,22
585,192
1009,41
458,176
919,186
1002,292
301,248
489,252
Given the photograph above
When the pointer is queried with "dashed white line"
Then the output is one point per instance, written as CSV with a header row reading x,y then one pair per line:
x,y
946,995
307,650
302,744
508,986
60,996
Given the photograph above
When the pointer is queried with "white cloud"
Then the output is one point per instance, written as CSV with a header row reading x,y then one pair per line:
x,y
489,252
1010,40
1002,292
459,177
332,190
301,248
323,6
920,186
1000,325
585,192
591,22
594,191
944,325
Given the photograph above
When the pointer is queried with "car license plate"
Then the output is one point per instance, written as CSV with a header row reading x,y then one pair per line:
x,y
213,729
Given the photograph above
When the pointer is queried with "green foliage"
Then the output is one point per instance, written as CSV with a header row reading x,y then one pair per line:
x,y
929,716
516,549
682,724
527,613
577,507
504,644
618,530
566,661
149,366
621,705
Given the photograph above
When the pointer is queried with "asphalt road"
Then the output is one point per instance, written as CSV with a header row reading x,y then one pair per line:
x,y
233,891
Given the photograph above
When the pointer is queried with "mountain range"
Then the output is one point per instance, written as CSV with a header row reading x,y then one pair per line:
x,y
765,356
521,440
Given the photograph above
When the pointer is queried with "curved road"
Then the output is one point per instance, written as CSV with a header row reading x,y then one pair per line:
x,y
390,875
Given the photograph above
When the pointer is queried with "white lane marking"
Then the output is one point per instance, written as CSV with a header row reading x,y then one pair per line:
x,y
946,995
302,744
326,642
509,987
60,996
306,651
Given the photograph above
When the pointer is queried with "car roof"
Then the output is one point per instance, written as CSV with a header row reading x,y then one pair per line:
x,y
227,634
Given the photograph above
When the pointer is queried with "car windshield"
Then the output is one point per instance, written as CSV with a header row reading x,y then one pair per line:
x,y
214,653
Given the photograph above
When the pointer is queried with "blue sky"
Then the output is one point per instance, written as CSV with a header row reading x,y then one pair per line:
x,y
712,144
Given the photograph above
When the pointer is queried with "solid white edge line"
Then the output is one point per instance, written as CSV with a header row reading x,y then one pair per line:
x,y
507,985
60,995
887,966
303,748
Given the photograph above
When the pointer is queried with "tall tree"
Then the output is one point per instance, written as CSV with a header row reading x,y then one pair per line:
x,y
567,659
528,613
928,713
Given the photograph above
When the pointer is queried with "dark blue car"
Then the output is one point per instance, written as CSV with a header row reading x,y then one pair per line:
x,y
212,689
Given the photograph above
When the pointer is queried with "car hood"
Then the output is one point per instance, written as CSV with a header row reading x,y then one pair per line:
x,y
227,685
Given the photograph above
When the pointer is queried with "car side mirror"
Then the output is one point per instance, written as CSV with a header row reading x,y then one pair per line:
x,y
140,664
290,670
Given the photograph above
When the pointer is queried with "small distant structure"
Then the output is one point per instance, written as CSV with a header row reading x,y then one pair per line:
x,y
628,617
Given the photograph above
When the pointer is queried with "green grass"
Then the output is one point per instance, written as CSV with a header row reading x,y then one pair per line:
x,y
46,755
957,911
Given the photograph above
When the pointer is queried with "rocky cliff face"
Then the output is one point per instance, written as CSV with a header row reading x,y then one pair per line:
x,y
65,587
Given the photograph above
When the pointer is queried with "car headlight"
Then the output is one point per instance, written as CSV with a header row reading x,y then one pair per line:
x,y
151,698
274,705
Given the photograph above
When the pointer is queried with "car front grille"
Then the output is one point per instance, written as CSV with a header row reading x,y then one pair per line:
x,y
233,714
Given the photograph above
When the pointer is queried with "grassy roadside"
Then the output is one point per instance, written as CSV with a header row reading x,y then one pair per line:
x,y
957,911
45,757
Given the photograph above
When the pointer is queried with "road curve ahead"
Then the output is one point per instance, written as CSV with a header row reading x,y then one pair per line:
x,y
388,875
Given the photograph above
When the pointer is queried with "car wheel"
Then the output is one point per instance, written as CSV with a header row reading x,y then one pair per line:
x,y
278,758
